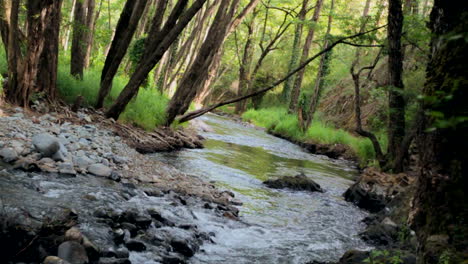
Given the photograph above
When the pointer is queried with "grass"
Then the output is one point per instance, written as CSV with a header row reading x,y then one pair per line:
x,y
147,110
279,121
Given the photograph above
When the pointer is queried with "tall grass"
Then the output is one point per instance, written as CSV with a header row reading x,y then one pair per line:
x,y
146,110
279,121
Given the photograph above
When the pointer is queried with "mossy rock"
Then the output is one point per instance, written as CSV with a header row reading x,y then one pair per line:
x,y
299,182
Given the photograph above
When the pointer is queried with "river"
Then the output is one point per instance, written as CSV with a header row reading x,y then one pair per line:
x,y
277,226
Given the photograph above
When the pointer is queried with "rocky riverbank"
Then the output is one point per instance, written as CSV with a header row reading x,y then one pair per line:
x,y
73,191
388,198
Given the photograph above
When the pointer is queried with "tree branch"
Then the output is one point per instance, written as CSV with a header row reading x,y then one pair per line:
x,y
200,112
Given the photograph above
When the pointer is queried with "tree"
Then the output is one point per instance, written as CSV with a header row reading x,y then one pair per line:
x,y
78,49
36,69
321,73
396,100
440,201
296,91
157,44
295,51
194,77
123,35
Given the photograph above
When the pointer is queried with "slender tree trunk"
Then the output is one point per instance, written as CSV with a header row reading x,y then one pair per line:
x,y
246,63
296,91
193,79
92,32
321,72
440,202
173,27
69,28
123,36
78,49
396,122
214,67
294,61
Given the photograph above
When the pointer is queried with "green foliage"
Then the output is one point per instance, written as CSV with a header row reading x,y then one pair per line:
x,y
136,50
277,120
146,110
384,257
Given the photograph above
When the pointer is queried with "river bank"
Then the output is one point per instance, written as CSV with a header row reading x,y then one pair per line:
x,y
79,191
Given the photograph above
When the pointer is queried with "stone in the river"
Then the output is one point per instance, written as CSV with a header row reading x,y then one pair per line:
x,y
67,169
46,144
100,170
74,234
82,162
299,182
8,154
73,252
114,261
184,247
135,245
54,260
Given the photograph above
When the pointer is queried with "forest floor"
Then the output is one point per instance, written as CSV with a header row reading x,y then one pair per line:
x,y
71,184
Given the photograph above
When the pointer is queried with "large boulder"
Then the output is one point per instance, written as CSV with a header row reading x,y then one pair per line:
x,y
299,182
46,144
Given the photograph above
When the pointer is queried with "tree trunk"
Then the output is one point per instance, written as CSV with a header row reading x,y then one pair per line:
x,y
48,63
321,73
294,61
246,63
193,79
296,91
396,101
92,27
440,201
173,27
78,49
126,27
69,27
27,74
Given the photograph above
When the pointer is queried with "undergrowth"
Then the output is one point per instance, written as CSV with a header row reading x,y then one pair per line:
x,y
277,120
146,110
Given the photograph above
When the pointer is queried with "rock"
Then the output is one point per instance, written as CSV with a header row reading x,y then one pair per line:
x,y
184,247
74,234
73,252
82,162
135,245
133,217
115,176
114,261
100,170
381,234
92,250
299,182
66,168
46,144
116,253
8,154
365,196
354,257
46,161
61,154
173,260
54,260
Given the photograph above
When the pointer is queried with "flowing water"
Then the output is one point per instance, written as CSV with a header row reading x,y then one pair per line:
x,y
278,226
